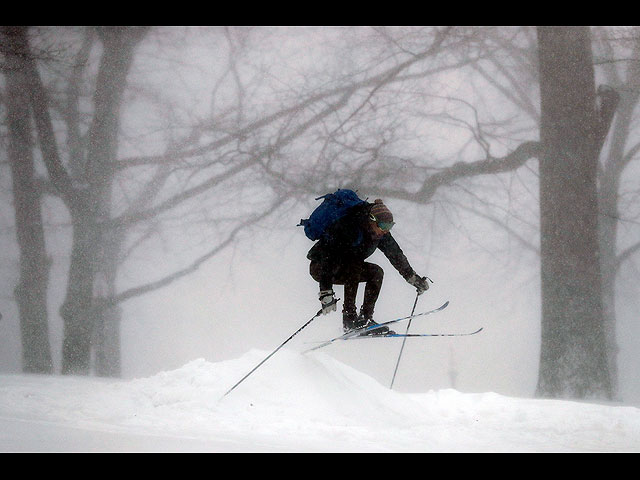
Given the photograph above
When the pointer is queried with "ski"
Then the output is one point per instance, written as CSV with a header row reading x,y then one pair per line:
x,y
362,332
401,335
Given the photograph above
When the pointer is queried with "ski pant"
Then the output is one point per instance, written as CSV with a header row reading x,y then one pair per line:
x,y
350,275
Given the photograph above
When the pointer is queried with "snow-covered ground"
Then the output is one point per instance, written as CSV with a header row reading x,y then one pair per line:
x,y
293,403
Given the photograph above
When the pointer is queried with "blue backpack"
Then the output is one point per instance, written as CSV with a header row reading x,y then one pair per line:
x,y
333,207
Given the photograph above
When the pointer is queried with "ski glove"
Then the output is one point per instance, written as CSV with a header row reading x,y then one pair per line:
x,y
421,283
328,301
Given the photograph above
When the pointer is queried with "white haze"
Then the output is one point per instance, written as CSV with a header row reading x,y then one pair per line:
x,y
255,294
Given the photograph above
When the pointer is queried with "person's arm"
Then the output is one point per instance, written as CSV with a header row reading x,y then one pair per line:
x,y
398,259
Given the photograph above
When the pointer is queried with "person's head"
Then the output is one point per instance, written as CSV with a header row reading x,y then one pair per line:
x,y
380,219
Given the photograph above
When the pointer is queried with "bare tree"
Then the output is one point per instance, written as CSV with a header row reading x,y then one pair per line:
x,y
31,291
573,353
617,60
622,73
84,197
573,349
212,153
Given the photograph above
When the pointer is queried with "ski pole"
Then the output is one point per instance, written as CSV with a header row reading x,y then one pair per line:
x,y
403,341
272,353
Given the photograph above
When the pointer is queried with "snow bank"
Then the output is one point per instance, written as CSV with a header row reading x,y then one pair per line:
x,y
293,403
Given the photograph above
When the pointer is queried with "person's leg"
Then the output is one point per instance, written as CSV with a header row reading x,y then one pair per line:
x,y
348,275
349,311
373,275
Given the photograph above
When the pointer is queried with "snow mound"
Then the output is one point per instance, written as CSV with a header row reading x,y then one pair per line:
x,y
294,402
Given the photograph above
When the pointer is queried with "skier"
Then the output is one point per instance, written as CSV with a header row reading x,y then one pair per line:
x,y
339,258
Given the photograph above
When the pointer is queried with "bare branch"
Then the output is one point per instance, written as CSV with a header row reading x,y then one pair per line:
x,y
197,263
39,102
626,254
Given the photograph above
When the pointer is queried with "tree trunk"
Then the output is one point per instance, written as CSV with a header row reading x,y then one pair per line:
x,y
611,174
106,332
573,361
31,291
78,310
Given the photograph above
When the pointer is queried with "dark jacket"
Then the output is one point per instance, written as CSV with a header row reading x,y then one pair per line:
x,y
348,241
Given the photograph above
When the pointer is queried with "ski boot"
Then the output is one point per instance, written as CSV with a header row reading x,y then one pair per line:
x,y
367,322
349,320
